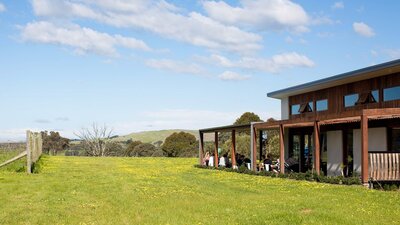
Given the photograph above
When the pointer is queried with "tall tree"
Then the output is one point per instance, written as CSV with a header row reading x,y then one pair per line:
x,y
247,118
242,145
180,144
96,139
144,150
272,142
129,150
53,142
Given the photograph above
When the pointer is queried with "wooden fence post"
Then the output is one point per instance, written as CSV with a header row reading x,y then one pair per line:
x,y
28,152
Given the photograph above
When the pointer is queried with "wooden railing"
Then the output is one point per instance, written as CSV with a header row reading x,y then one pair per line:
x,y
384,166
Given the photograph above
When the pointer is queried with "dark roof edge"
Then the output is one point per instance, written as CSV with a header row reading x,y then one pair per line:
x,y
350,74
224,128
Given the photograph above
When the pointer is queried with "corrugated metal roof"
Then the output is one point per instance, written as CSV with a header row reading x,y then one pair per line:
x,y
353,76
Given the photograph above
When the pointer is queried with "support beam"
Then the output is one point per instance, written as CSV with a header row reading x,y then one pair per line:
x,y
201,148
254,150
364,149
216,150
233,150
260,139
282,148
317,148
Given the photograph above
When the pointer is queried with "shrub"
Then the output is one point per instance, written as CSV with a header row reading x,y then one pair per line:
x,y
242,168
308,176
38,165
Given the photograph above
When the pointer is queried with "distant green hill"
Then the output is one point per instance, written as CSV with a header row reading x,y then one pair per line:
x,y
153,136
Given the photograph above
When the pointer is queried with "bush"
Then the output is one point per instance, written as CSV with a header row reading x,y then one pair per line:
x,y
38,165
71,153
158,153
242,168
308,176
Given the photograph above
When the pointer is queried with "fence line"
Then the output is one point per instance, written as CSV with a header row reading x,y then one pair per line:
x,y
34,148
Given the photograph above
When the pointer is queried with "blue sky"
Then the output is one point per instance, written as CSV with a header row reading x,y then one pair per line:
x,y
147,65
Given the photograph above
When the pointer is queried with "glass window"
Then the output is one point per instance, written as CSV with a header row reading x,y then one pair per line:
x,y
311,104
305,107
375,93
395,140
392,93
350,100
295,109
322,105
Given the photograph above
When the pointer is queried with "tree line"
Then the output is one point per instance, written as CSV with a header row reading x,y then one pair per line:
x,y
98,141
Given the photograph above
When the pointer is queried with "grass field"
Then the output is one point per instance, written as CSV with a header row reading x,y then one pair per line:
x,y
78,190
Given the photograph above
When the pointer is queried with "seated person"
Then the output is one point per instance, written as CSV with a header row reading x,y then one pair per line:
x,y
239,160
222,161
227,161
211,161
247,163
268,163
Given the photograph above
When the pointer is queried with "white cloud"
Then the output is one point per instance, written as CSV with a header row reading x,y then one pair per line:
x,y
174,66
363,29
62,119
322,20
324,34
232,76
42,121
15,135
82,39
272,65
159,17
392,53
2,7
260,14
289,39
338,5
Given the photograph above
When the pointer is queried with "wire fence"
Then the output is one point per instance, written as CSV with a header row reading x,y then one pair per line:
x,y
18,156
8,153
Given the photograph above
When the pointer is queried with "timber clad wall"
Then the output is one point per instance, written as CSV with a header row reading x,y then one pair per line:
x,y
335,96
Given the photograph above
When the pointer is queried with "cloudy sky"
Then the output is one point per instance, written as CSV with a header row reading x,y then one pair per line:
x,y
158,64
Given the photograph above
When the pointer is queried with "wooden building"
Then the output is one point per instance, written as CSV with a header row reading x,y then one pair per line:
x,y
342,125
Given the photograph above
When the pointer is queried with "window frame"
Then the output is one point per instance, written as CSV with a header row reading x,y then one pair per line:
x,y
322,100
291,109
348,96
391,88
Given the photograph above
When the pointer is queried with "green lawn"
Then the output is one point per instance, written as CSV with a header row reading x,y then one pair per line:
x,y
6,154
78,190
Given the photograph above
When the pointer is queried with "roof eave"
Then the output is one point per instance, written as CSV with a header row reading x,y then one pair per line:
x,y
356,75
